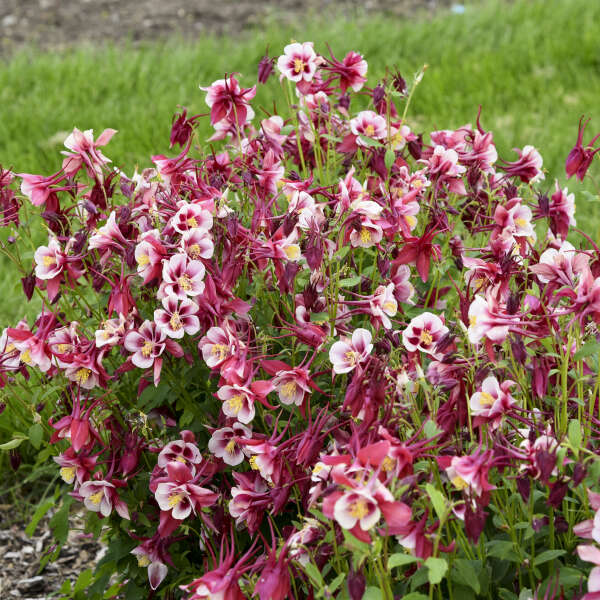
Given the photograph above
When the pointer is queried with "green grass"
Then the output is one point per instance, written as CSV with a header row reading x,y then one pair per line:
x,y
533,65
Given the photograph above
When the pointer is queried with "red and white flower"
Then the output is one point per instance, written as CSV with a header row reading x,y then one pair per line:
x,y
346,355
224,443
298,63
182,277
101,496
368,124
177,317
423,333
492,401
238,402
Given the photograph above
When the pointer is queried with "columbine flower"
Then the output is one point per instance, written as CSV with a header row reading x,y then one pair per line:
x,y
470,472
492,401
183,277
224,443
197,244
184,451
486,320
298,63
423,333
292,385
356,507
85,151
177,317
238,402
229,102
101,496
369,124
529,166
580,158
179,496
49,260
345,355
383,304
191,216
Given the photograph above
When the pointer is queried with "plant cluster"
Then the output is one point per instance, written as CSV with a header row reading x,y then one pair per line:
x,y
329,359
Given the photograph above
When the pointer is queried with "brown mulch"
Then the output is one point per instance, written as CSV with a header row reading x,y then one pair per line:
x,y
59,23
20,556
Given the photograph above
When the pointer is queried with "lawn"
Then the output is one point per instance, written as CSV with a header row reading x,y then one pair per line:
x,y
535,71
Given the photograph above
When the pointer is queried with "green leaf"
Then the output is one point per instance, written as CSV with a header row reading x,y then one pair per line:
x,y
464,572
14,443
575,434
399,559
335,584
350,281
372,593
437,499
415,596
437,569
430,429
40,511
502,549
547,555
367,141
60,521
319,317
36,434
314,573
84,579
390,157
342,252
588,349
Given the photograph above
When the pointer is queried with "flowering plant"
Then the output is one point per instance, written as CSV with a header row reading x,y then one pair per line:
x,y
328,360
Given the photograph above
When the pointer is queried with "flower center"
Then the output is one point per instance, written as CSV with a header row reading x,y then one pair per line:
x,y
521,222
194,251
82,375
175,499
62,348
472,320
185,282
365,235
220,349
236,403
67,474
298,65
425,338
459,482
230,448
389,307
143,560
351,357
387,464
192,222
49,261
292,251
26,357
369,130
253,463
97,497
147,348
143,260
175,322
486,399
289,389
359,509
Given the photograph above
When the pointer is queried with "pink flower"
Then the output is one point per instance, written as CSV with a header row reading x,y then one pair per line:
x,y
224,443
238,402
580,158
365,233
197,244
179,496
383,304
149,254
291,386
191,216
423,333
49,260
85,151
229,102
529,166
492,401
182,277
345,355
298,63
560,266
217,346
351,71
38,188
368,124
356,507
101,496
184,451
487,320
471,472
591,554
177,317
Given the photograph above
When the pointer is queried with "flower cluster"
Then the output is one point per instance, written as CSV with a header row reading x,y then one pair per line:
x,y
329,350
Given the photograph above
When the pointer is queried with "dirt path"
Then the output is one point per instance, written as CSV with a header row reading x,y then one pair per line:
x,y
58,23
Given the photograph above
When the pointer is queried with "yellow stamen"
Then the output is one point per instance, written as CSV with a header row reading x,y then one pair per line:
x,y
194,251
365,235
192,222
185,282
359,509
389,307
220,349
236,403
253,463
9,348
175,499
472,320
175,322
298,65
387,464
97,497
459,482
410,221
82,375
180,459
486,399
369,130
230,448
26,357
351,357
292,251
62,348
67,474
425,338
142,560
289,389
48,261
147,348
143,260
521,222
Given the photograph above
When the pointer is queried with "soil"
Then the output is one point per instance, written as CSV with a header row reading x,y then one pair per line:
x,y
20,556
59,23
